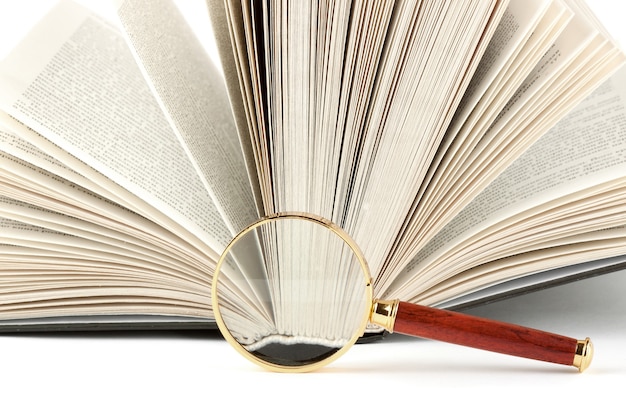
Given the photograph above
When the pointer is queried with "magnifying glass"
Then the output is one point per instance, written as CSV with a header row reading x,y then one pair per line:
x,y
293,292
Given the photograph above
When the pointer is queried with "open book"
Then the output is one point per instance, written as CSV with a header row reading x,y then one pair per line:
x,y
429,131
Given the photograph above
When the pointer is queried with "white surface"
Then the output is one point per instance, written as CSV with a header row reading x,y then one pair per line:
x,y
177,373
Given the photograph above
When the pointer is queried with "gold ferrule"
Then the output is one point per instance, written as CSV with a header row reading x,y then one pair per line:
x,y
584,354
384,313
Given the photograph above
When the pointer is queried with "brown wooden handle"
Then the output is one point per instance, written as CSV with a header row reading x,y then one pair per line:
x,y
476,332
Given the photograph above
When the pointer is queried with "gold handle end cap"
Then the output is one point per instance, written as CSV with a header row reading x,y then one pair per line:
x,y
584,354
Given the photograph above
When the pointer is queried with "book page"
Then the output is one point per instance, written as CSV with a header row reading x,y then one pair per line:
x,y
595,248
104,242
62,275
420,80
74,81
575,63
523,35
192,94
239,83
40,160
60,239
25,183
13,145
353,91
539,280
577,169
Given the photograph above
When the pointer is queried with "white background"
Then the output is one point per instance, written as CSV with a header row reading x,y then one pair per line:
x,y
190,373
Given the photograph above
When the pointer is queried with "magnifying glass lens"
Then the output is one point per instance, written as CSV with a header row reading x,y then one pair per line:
x,y
292,292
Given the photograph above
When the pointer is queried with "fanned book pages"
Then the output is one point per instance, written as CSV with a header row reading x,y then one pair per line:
x,y
471,149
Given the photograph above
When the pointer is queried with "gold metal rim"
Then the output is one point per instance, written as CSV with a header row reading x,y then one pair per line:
x,y
367,282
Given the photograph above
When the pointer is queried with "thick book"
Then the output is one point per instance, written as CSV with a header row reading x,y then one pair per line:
x,y
471,149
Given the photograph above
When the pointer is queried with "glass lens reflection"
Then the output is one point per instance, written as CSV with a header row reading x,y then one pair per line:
x,y
292,292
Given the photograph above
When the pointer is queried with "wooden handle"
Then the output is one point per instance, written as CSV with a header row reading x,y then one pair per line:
x,y
511,339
